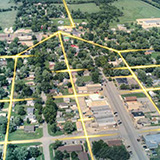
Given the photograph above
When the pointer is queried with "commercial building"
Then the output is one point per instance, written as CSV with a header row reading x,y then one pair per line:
x,y
149,23
103,116
137,115
131,106
130,99
115,142
79,126
152,141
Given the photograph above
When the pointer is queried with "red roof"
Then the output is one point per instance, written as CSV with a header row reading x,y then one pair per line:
x,y
128,99
74,46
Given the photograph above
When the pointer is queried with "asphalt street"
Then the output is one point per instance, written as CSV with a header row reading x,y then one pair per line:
x,y
127,130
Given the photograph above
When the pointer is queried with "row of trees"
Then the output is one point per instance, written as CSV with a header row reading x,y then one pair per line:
x,y
102,151
22,153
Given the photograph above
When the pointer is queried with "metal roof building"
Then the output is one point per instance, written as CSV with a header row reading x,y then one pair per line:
x,y
152,141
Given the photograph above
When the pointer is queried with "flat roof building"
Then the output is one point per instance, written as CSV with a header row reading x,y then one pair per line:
x,y
152,141
79,126
115,142
129,99
71,148
149,22
29,129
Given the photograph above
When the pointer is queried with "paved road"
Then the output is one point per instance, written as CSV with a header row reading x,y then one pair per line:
x,y
46,142
127,130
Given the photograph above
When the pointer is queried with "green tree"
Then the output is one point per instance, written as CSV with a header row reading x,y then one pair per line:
x,y
57,144
50,111
69,127
18,120
34,152
66,155
59,155
95,77
21,111
21,153
3,124
54,128
74,156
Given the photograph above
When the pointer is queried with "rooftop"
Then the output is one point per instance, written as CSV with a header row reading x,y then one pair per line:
x,y
83,156
138,114
114,142
71,148
152,141
130,99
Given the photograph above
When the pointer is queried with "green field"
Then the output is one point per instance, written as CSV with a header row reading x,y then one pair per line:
x,y
138,95
86,7
134,9
7,18
21,135
66,21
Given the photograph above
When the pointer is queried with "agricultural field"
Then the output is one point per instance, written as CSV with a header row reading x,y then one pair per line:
x,y
134,9
86,7
7,18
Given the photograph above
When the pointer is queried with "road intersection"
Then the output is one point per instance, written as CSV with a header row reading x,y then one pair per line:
x,y
130,132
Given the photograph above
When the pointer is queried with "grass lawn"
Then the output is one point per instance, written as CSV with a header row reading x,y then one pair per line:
x,y
21,135
29,144
87,78
134,9
7,18
86,7
138,95
66,21
6,105
2,137
51,151
58,100
155,54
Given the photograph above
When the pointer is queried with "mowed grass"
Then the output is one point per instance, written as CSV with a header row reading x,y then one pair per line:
x,y
21,135
7,19
138,95
86,7
134,9
155,54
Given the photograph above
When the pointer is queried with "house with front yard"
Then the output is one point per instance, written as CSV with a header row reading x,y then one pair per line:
x,y
82,155
29,129
62,105
30,115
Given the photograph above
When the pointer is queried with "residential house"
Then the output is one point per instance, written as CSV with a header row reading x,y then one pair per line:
x,y
75,148
29,129
66,100
60,120
130,99
62,105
